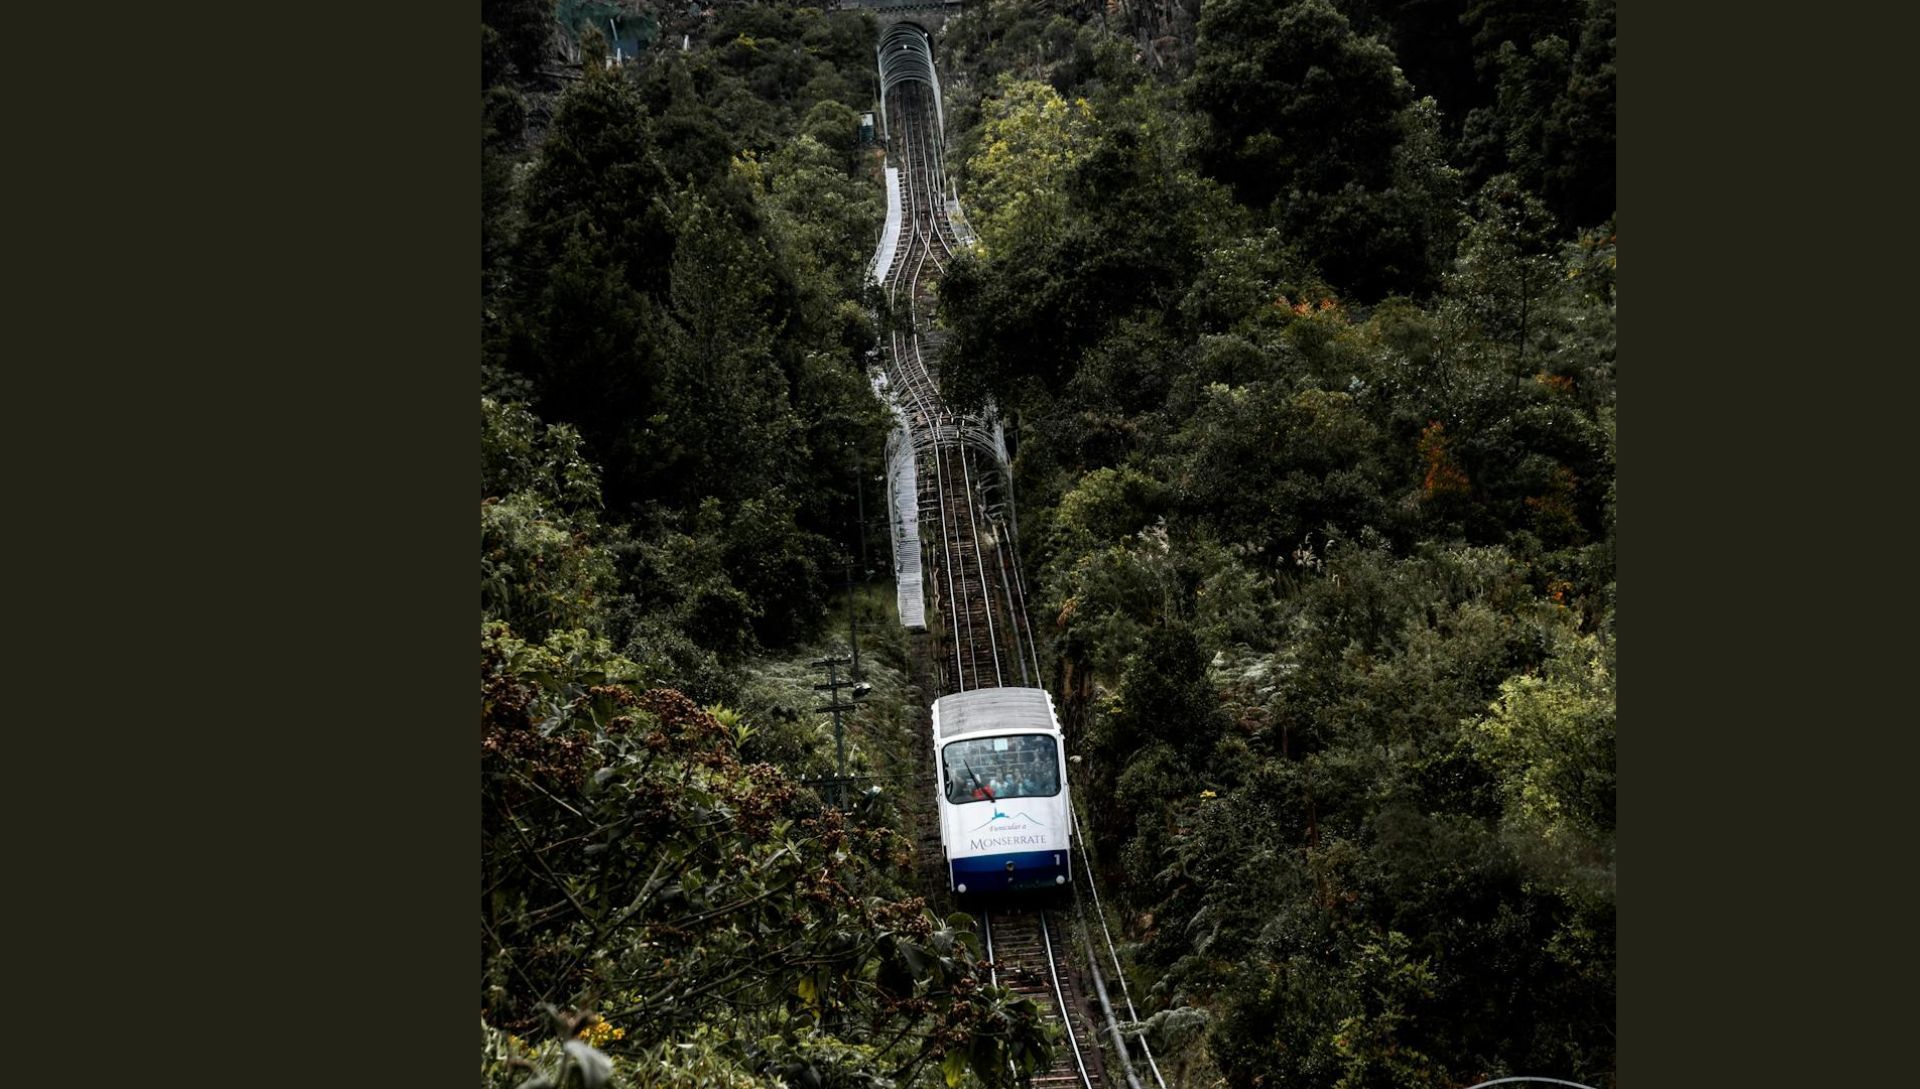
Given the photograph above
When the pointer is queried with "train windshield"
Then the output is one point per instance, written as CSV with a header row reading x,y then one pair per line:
x,y
983,768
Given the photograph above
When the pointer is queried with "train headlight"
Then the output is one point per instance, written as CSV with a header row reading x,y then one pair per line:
x,y
1009,865
962,887
1060,879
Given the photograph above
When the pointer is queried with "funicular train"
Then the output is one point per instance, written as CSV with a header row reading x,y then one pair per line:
x,y
1005,821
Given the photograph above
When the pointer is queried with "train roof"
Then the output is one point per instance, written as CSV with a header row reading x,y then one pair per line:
x,y
993,709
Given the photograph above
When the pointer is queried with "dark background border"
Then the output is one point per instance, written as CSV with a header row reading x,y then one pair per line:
x,y
1757,783
242,338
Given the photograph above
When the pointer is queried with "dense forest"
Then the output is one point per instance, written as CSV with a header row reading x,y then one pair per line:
x,y
1300,316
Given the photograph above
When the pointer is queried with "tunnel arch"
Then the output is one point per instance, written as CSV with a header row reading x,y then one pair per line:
x,y
905,55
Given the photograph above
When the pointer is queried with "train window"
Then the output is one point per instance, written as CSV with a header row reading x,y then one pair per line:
x,y
979,769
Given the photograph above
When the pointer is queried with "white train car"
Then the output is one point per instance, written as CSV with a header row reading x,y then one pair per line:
x,y
1001,770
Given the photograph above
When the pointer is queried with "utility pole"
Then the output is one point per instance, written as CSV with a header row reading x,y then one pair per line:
x,y
834,685
866,566
860,501
853,627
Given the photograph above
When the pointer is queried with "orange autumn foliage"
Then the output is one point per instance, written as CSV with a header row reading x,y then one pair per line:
x,y
1443,476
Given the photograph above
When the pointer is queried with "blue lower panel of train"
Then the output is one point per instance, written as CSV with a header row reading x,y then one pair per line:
x,y
991,873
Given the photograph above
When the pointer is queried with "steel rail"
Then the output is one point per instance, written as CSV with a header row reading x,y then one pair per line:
x,y
1013,611
1119,973
944,560
1079,1060
1011,558
986,929
950,531
1017,605
923,200
1549,1081
954,604
934,155
917,385
936,207
930,189
1106,1004
993,642
1032,949
943,437
1026,614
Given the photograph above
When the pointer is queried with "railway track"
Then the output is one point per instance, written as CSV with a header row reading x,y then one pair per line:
x,y
978,625
982,634
1028,951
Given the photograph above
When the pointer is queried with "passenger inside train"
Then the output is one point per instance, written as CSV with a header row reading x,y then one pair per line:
x,y
994,768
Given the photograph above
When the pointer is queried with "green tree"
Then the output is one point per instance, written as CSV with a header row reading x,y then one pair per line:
x,y
598,174
725,425
1496,23
503,121
525,31
544,566
1389,985
1306,120
1397,237
580,322
1510,136
1029,141
1241,281
1579,143
1551,121
589,345
1135,221
520,453
1152,746
1506,269
1277,471
1549,741
1294,99
1434,46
